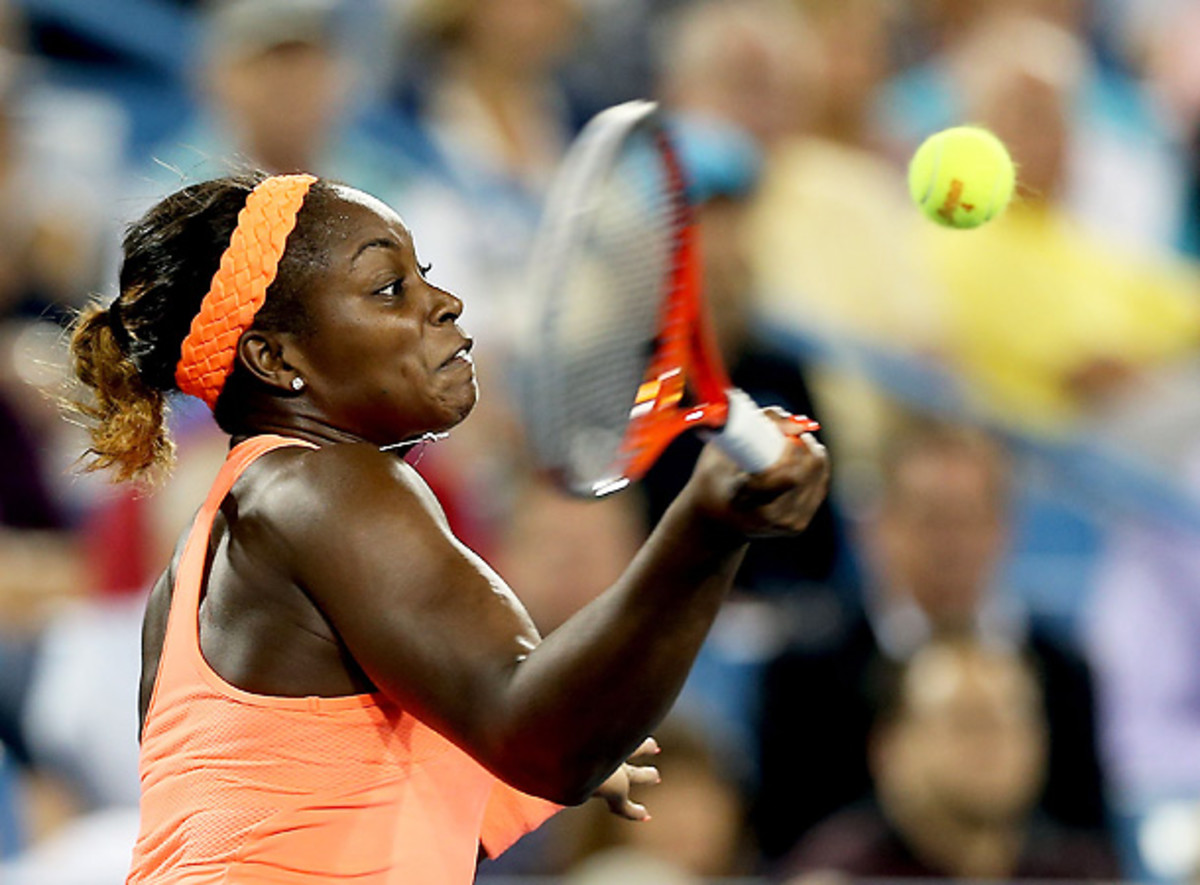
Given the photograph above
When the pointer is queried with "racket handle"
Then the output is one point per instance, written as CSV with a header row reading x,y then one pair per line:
x,y
749,437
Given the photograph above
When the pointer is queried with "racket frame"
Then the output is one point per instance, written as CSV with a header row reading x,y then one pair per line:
x,y
686,357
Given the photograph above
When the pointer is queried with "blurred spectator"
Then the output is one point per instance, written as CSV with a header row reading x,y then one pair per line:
x,y
40,265
958,754
60,151
1045,320
615,59
1143,629
50,228
936,538
274,84
696,832
481,84
40,568
948,21
831,239
1123,168
747,63
479,106
852,61
49,236
1173,68
560,553
830,200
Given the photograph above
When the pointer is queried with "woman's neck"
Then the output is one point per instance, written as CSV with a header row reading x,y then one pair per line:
x,y
294,419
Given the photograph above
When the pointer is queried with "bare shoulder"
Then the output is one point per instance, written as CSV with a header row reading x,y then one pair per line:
x,y
361,534
336,487
349,521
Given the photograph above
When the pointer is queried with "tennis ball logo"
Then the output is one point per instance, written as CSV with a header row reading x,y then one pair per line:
x,y
962,177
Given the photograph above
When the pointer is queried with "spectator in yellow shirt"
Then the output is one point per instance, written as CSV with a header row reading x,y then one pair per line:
x,y
1042,318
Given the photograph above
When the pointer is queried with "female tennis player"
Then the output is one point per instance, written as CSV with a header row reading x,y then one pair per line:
x,y
333,687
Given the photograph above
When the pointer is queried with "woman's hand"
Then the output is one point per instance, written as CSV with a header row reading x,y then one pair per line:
x,y
778,501
615,790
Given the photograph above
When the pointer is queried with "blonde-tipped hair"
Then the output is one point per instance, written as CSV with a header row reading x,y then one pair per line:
x,y
124,416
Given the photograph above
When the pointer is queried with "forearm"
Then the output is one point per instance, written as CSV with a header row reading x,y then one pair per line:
x,y
446,639
593,689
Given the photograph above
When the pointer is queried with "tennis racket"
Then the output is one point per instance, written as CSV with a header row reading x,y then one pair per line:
x,y
622,356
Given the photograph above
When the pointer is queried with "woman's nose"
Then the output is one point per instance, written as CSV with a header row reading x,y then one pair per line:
x,y
446,308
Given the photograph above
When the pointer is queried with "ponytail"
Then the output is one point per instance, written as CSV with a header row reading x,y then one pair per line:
x,y
126,355
124,416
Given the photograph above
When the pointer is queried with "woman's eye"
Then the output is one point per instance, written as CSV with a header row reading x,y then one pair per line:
x,y
391,289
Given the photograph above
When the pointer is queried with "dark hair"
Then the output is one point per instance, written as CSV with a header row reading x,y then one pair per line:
x,y
126,354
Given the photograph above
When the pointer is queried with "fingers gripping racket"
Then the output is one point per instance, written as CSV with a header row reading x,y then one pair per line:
x,y
624,357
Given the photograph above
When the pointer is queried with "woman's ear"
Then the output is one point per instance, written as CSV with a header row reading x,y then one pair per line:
x,y
264,356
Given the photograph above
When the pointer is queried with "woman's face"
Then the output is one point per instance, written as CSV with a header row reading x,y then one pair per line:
x,y
385,359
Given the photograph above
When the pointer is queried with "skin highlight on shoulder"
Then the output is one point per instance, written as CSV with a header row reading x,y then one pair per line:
x,y
307,483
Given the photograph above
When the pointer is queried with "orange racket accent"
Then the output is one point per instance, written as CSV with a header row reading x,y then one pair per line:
x,y
687,355
239,287
687,359
627,360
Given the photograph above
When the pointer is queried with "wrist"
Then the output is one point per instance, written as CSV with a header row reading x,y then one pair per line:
x,y
710,524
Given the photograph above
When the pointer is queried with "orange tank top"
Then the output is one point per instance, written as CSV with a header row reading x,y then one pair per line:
x,y
247,789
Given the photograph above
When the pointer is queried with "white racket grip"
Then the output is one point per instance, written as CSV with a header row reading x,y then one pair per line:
x,y
749,437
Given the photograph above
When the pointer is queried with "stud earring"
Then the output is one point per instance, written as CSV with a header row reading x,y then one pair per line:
x,y
297,384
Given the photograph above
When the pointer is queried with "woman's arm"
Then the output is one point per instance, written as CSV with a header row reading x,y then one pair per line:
x,y
440,633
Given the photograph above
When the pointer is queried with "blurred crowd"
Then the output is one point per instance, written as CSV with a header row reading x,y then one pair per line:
x,y
983,658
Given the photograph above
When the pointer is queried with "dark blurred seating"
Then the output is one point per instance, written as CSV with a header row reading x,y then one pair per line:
x,y
938,533
958,753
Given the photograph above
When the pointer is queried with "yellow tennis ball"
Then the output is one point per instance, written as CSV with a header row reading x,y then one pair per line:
x,y
962,177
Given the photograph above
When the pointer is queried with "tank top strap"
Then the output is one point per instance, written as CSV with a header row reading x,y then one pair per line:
x,y
181,644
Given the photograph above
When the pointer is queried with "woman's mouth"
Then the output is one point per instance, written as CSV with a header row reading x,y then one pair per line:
x,y
462,356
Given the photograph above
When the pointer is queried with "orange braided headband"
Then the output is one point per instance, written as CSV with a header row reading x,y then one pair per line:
x,y
239,287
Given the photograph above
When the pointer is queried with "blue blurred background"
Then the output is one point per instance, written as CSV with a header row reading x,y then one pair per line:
x,y
1014,412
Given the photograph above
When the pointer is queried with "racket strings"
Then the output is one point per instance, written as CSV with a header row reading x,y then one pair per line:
x,y
603,324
